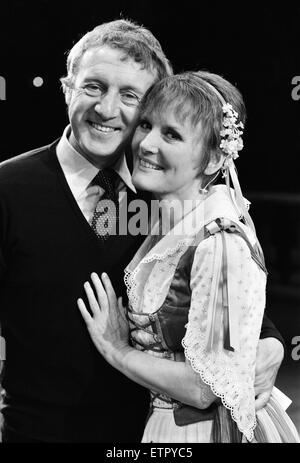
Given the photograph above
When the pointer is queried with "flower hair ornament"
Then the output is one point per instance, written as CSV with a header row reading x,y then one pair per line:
x,y
232,132
231,144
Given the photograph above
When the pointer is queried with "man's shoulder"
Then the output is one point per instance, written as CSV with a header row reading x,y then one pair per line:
x,y
28,161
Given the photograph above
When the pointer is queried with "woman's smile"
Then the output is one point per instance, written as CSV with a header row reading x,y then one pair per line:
x,y
145,164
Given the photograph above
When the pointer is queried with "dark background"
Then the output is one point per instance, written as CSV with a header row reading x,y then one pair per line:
x,y
257,47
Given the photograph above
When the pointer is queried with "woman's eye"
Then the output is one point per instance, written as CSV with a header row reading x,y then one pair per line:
x,y
172,135
144,125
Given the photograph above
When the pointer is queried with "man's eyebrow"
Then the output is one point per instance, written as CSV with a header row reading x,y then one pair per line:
x,y
104,81
94,79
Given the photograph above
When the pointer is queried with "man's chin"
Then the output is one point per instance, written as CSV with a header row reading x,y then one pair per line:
x,y
100,155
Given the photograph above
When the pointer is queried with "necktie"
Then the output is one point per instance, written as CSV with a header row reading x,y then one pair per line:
x,y
106,213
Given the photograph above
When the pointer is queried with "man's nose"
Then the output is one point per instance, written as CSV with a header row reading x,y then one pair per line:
x,y
150,144
108,106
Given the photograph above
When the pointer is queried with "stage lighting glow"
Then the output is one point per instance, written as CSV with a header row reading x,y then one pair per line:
x,y
38,81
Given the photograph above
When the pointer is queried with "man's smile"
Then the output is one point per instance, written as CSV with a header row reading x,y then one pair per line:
x,y
103,128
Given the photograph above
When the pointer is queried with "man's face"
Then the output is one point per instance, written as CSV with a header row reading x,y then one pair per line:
x,y
103,106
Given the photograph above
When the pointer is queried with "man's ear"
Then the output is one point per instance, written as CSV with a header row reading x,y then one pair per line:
x,y
214,165
67,90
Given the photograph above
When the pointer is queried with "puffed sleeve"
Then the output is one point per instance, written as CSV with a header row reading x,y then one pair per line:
x,y
227,305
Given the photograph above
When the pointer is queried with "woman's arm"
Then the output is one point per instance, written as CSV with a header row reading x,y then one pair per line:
x,y
109,331
175,379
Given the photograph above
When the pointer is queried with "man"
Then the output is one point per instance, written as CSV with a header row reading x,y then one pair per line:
x,y
57,386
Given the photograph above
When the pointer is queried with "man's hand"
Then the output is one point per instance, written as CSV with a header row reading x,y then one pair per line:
x,y
269,356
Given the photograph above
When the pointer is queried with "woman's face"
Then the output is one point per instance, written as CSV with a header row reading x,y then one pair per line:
x,y
167,155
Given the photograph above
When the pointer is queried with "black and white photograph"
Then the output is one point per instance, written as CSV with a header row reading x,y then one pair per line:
x,y
149,225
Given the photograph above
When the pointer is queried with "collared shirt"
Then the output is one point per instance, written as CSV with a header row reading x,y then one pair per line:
x,y
79,173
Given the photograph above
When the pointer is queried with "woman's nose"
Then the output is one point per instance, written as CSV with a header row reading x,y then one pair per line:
x,y
150,144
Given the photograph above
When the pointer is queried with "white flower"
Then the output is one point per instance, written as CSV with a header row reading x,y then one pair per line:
x,y
231,141
227,108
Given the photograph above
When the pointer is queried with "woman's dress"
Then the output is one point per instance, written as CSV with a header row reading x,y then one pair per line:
x,y
198,295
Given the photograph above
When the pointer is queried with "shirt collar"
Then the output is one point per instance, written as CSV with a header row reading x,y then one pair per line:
x,y
122,169
79,172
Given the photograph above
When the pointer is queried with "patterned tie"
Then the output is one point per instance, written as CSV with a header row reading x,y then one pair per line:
x,y
106,213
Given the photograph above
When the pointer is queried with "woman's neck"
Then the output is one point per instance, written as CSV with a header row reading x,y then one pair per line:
x,y
173,208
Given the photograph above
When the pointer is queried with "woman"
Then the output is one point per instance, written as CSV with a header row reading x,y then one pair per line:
x,y
196,287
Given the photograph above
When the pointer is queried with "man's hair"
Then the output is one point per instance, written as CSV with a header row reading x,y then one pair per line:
x,y
134,40
191,97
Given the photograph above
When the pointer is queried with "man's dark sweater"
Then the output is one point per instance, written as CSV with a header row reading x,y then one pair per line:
x,y
58,386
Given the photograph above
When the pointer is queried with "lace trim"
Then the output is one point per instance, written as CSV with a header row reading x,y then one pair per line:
x,y
167,253
227,385
130,282
131,276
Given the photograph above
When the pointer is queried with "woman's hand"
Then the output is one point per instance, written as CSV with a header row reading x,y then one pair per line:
x,y
106,323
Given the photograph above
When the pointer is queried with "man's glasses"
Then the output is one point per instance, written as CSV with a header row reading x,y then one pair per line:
x,y
127,97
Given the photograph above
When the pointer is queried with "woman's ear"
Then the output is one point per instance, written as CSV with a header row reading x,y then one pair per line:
x,y
68,94
214,165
